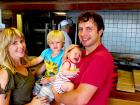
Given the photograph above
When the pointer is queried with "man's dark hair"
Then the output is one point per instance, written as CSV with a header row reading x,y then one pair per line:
x,y
84,17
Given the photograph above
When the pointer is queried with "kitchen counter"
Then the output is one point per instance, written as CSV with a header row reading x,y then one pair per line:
x,y
124,98
126,95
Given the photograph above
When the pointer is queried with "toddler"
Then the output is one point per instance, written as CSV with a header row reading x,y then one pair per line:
x,y
52,58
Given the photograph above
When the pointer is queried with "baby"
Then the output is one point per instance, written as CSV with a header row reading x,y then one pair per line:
x,y
68,69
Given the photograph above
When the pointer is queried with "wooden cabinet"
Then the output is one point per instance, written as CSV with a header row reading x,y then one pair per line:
x,y
70,4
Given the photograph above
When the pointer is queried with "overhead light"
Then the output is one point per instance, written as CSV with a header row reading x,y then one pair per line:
x,y
60,13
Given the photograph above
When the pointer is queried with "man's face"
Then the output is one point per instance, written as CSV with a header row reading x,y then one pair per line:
x,y
88,33
67,28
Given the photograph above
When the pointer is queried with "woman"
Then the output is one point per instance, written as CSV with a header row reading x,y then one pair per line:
x,y
16,81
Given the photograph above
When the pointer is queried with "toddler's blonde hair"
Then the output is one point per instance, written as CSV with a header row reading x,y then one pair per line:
x,y
55,34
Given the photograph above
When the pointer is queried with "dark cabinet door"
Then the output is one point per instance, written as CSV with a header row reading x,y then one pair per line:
x,y
35,30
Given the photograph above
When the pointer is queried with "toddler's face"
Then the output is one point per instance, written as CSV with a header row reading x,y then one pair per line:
x,y
56,45
75,55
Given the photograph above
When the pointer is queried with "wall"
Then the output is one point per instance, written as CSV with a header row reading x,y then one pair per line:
x,y
122,30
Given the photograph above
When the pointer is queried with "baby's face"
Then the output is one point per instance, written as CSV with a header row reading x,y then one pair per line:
x,y
75,55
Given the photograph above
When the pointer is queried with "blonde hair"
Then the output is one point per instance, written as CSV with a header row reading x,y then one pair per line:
x,y
55,34
6,37
69,49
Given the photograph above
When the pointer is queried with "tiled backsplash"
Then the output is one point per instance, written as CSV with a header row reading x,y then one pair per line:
x,y
122,30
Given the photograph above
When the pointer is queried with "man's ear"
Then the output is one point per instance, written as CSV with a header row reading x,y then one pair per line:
x,y
100,32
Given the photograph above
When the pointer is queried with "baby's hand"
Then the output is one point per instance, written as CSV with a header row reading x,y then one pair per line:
x,y
67,86
64,88
44,80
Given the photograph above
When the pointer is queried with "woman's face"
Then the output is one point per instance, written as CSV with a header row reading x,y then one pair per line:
x,y
17,48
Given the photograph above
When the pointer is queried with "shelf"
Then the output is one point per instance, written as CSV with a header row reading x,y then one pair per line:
x,y
40,30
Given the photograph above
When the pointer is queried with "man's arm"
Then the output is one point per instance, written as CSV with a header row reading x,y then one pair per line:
x,y
79,96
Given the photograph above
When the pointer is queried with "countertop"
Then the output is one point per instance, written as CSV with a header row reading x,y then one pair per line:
x,y
126,95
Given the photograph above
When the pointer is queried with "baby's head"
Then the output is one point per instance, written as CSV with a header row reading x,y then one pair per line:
x,y
55,39
73,53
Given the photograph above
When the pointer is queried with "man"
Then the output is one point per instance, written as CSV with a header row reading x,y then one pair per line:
x,y
64,27
93,84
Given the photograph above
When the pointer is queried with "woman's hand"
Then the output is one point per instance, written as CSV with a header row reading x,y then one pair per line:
x,y
39,101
